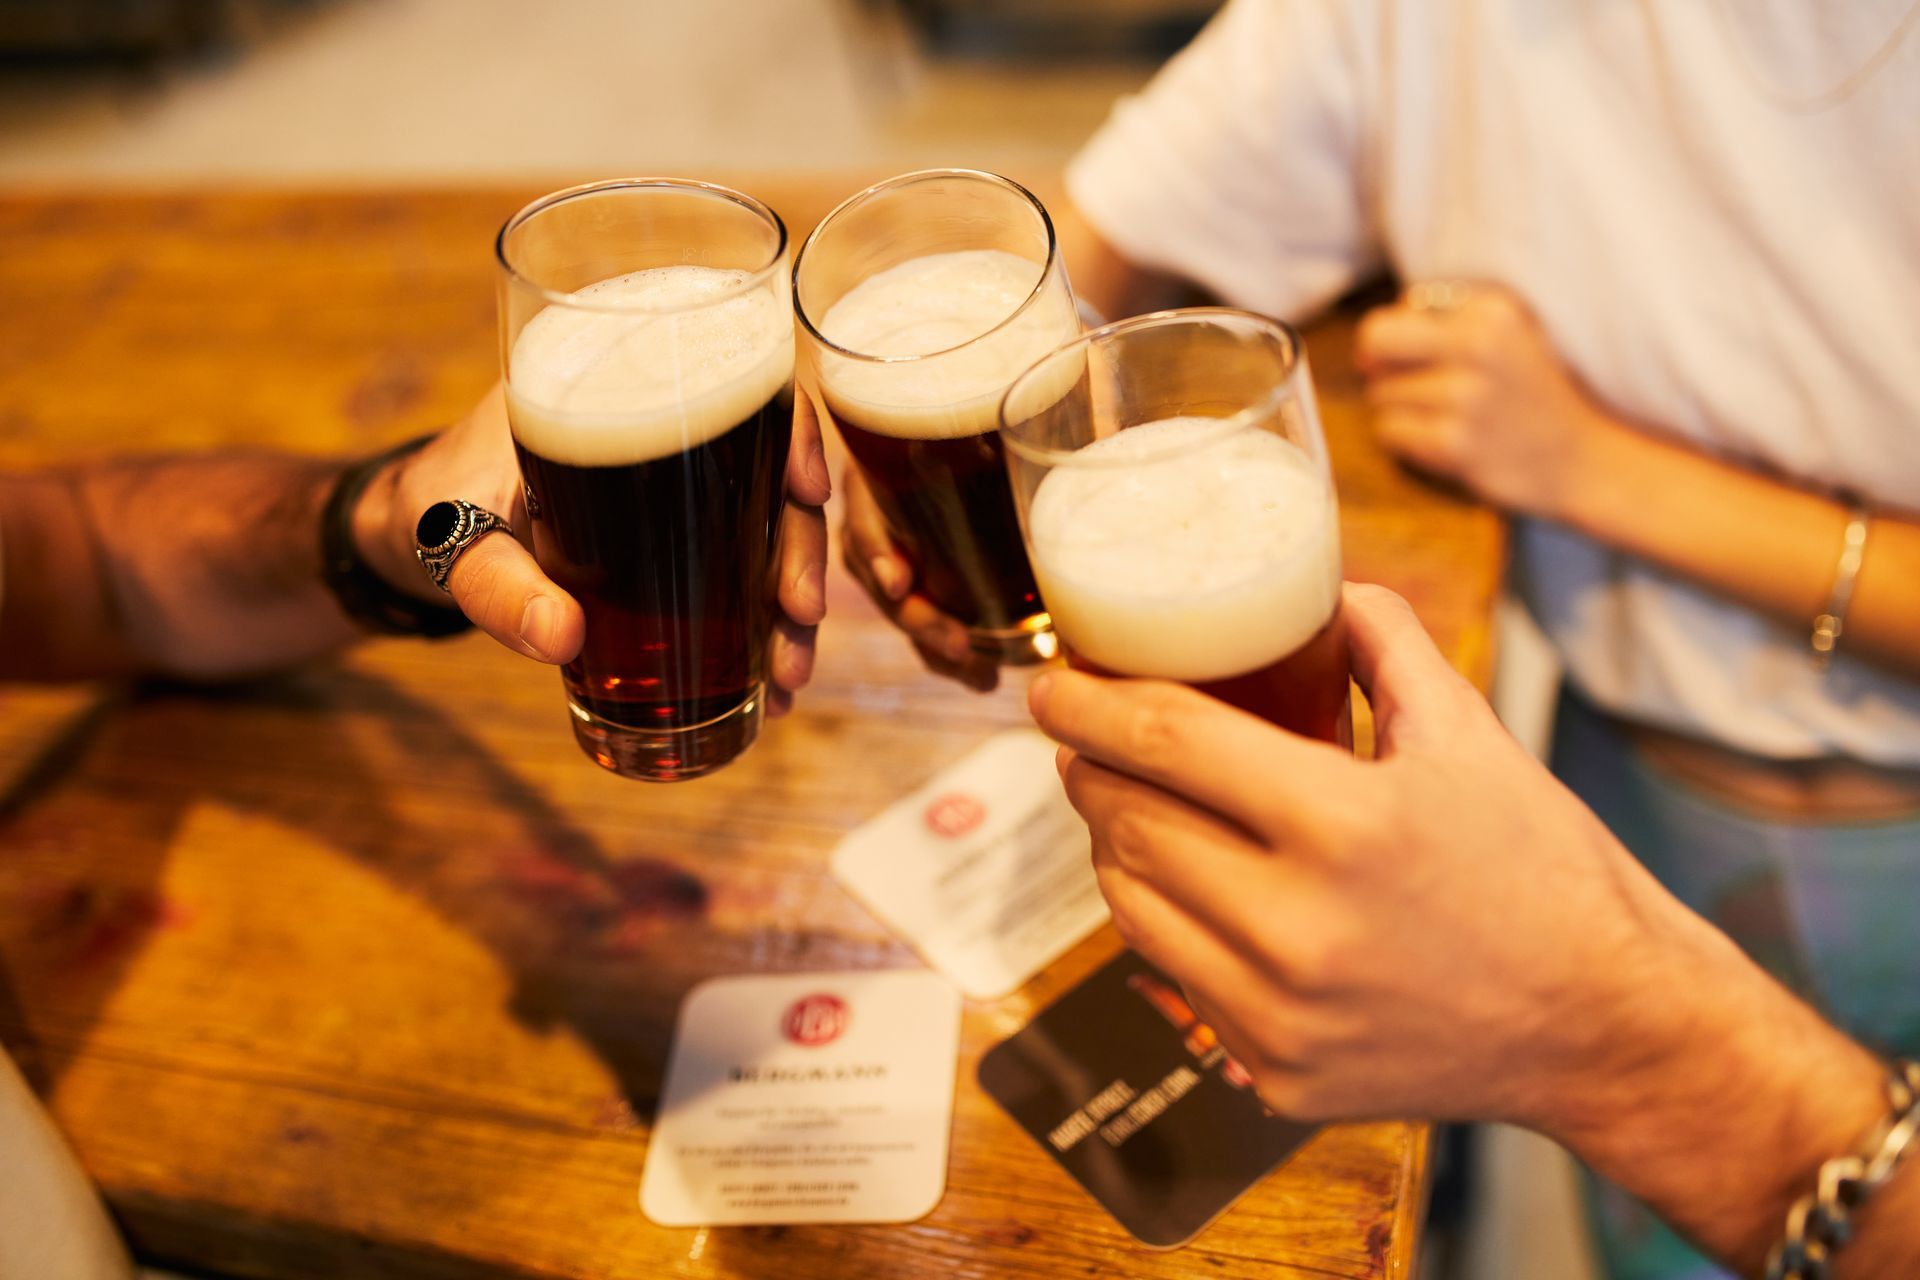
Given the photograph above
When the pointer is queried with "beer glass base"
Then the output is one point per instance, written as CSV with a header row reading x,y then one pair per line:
x,y
668,755
1030,643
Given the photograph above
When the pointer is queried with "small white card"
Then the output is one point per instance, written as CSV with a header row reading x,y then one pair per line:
x,y
806,1097
986,871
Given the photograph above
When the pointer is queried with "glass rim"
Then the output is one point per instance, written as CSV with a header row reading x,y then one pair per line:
x,y
755,278
1281,334
906,179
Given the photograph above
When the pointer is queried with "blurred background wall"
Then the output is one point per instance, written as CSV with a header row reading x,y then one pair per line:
x,y
444,90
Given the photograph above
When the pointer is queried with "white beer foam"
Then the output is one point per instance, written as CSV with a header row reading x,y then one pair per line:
x,y
928,305
1176,555
652,373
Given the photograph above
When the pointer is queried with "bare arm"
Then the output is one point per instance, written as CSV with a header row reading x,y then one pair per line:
x,y
1479,395
1723,1128
209,567
1752,538
191,567
1105,280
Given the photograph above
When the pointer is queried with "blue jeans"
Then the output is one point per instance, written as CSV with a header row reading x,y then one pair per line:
x,y
1828,909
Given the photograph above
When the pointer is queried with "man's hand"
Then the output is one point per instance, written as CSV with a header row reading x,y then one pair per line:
x,y
497,583
1478,395
1446,933
1443,932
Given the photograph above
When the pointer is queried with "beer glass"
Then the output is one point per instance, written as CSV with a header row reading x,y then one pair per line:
x,y
1173,488
919,300
646,335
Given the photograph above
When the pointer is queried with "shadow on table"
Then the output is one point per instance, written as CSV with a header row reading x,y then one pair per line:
x,y
602,943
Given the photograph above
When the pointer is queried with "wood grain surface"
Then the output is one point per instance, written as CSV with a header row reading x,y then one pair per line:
x,y
365,971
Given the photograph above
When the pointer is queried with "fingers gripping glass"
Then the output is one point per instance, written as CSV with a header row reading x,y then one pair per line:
x,y
919,300
646,334
1173,489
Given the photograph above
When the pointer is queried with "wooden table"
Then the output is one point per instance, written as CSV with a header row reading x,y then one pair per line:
x,y
366,971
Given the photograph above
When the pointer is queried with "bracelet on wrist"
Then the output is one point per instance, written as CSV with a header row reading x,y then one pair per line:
x,y
364,595
1832,621
1821,1223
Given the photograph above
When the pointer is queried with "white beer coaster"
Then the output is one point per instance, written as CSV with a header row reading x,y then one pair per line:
x,y
986,871
806,1097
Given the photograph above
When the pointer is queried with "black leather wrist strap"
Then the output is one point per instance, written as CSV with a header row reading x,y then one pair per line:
x,y
363,594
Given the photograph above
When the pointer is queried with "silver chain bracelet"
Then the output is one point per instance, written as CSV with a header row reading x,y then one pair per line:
x,y
1820,1223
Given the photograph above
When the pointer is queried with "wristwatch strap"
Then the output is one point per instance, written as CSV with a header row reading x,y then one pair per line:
x,y
364,595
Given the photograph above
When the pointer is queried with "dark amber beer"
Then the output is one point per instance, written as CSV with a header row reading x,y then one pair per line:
x,y
920,300
1202,548
652,412
677,613
946,501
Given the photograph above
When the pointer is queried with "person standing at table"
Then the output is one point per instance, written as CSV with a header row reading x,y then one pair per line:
x,y
230,564
1665,311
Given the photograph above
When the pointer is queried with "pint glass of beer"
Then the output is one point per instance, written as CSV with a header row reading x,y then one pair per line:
x,y
919,300
646,334
1173,486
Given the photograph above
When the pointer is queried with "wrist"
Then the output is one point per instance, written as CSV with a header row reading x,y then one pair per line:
x,y
383,533
1728,1094
1594,459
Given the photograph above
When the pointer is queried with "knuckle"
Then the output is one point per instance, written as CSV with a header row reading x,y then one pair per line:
x,y
1154,735
1309,964
1130,837
1485,337
1469,393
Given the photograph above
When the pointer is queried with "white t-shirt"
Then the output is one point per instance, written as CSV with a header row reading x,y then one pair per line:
x,y
1739,273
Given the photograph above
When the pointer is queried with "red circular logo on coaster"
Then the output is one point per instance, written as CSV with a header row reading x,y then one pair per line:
x,y
815,1020
955,814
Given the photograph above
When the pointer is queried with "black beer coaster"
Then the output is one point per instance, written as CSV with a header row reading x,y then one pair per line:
x,y
1121,1083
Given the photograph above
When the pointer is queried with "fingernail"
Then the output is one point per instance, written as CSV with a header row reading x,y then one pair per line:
x,y
890,577
959,645
1037,693
817,465
537,623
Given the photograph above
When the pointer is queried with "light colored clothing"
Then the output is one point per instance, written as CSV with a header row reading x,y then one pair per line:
x,y
51,1222
1826,908
1743,276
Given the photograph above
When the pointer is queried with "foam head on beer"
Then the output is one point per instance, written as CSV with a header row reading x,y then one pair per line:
x,y
1193,549
961,314
647,365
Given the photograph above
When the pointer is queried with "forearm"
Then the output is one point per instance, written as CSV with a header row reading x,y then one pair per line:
x,y
198,567
1106,281
1756,540
1723,1121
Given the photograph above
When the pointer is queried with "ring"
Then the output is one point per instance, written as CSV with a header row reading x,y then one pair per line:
x,y
448,528
1440,296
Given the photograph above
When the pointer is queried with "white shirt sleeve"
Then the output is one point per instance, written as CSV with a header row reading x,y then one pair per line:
x,y
1241,166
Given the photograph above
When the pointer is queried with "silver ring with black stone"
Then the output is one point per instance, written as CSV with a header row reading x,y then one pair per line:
x,y
446,529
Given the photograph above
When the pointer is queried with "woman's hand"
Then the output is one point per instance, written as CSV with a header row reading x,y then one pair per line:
x,y
1477,394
